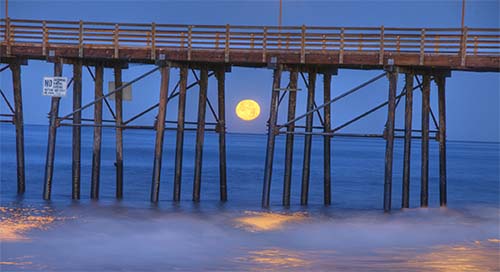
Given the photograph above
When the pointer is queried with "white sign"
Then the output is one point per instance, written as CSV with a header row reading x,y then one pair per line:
x,y
126,92
55,86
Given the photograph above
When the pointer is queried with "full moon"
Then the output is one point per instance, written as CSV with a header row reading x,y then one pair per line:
x,y
247,110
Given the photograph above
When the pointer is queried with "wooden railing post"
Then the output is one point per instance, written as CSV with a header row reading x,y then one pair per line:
x,y
475,45
7,35
341,53
80,40
153,40
422,46
190,41
45,38
264,45
463,47
323,43
436,44
226,49
360,43
182,39
303,45
116,41
381,51
398,44
217,40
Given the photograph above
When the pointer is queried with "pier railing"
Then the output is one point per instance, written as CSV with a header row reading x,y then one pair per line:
x,y
300,39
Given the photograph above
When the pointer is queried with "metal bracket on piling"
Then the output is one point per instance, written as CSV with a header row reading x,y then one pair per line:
x,y
273,63
162,61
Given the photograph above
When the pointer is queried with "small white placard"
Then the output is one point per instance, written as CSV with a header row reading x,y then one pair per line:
x,y
126,92
55,86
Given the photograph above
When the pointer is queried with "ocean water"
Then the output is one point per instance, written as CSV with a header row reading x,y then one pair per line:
x,y
353,234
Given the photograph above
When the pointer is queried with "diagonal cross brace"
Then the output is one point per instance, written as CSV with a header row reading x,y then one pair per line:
x,y
333,100
172,95
110,93
403,93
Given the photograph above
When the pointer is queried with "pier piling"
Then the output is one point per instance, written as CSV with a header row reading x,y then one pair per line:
x,y
119,132
308,139
96,148
15,67
179,145
51,142
271,137
221,129
405,200
77,119
389,134
424,189
327,80
441,82
160,131
292,102
200,133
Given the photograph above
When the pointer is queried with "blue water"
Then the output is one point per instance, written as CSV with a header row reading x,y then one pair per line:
x,y
352,234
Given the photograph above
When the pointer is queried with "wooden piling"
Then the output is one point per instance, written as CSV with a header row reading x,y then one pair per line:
x,y
441,82
96,148
424,189
119,132
271,137
51,142
160,131
221,125
389,134
327,80
77,119
179,145
405,200
200,133
15,67
292,102
308,139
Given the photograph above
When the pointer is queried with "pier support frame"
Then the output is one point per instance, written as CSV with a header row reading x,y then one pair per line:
x,y
160,132
308,139
405,200
77,119
15,67
96,149
51,142
292,102
271,136
200,133
389,135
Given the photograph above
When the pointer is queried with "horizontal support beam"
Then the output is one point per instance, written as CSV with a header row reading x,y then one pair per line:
x,y
332,134
128,127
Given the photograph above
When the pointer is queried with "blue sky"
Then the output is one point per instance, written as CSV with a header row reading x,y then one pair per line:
x,y
472,98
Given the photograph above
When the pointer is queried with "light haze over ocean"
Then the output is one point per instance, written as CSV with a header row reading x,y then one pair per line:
x,y
352,235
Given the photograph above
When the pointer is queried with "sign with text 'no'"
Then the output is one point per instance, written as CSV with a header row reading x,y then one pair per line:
x,y
55,86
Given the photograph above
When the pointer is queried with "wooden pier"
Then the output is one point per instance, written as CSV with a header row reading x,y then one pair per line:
x,y
313,54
